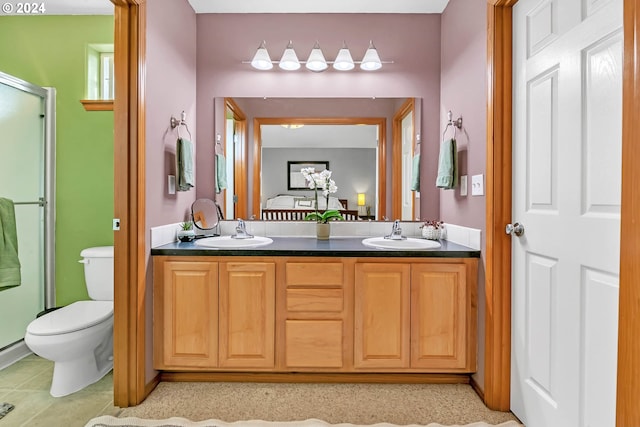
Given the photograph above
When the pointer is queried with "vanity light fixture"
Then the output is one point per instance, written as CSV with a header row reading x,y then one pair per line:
x,y
371,60
292,125
261,59
289,60
344,61
316,61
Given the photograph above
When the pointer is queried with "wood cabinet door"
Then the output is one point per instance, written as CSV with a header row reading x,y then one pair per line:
x,y
381,315
189,314
439,316
247,314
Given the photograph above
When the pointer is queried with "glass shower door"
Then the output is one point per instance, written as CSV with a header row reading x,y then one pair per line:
x,y
22,179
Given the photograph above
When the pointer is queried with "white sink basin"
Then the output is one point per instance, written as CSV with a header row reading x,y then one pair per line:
x,y
408,244
228,242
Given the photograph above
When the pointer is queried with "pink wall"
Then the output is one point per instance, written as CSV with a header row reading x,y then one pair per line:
x,y
464,92
411,41
170,88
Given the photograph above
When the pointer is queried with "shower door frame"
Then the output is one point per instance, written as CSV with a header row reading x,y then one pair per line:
x,y
48,203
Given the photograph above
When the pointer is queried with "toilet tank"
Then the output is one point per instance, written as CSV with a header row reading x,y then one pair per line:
x,y
98,272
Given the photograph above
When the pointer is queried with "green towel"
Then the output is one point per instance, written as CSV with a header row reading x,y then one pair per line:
x,y
9,261
221,173
184,156
415,177
448,165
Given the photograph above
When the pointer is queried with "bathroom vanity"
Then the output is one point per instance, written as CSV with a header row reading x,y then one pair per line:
x,y
308,306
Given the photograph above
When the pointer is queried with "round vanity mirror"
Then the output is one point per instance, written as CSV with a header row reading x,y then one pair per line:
x,y
206,214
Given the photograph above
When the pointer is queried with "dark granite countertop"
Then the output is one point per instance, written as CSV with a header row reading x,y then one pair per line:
x,y
310,246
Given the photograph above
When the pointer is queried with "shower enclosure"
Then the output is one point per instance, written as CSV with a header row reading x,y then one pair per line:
x,y
27,177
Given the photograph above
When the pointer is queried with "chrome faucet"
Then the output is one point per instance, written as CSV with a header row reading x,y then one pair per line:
x,y
396,231
241,231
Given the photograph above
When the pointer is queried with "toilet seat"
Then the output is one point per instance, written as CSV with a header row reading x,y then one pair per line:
x,y
74,317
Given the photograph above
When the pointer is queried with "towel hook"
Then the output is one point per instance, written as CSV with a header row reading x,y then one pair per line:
x,y
175,123
457,124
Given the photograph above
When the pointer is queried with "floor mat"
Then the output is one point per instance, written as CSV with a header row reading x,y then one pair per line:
x,y
109,421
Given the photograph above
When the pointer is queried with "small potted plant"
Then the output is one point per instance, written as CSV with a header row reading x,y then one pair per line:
x,y
432,229
321,181
186,233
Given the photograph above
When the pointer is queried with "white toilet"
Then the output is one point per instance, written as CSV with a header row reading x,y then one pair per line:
x,y
79,336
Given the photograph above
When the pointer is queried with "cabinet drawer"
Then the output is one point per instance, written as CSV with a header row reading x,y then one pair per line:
x,y
315,300
314,344
329,274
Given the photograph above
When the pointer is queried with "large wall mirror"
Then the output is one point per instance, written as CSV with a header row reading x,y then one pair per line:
x,y
369,145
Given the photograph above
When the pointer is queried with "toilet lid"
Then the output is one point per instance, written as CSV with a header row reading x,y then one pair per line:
x,y
74,317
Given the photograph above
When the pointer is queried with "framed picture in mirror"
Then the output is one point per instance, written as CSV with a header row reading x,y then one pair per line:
x,y
295,179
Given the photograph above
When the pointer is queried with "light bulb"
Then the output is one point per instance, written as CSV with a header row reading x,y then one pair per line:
x,y
371,60
344,61
261,59
289,60
316,61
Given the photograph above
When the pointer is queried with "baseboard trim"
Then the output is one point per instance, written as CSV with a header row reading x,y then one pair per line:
x,y
299,377
476,387
151,385
13,353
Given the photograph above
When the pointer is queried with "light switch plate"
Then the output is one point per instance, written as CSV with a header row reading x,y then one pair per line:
x,y
171,184
477,185
463,185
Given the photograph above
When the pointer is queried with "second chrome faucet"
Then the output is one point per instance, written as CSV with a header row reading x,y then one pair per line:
x,y
396,231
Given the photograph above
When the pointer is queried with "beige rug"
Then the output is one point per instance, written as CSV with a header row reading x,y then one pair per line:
x,y
109,421
359,404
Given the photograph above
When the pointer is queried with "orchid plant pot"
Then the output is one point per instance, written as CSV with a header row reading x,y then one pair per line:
x,y
323,230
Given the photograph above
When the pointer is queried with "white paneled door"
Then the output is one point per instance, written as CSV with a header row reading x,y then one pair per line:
x,y
567,57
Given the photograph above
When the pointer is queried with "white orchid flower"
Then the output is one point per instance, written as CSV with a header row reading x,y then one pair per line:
x,y
321,181
306,172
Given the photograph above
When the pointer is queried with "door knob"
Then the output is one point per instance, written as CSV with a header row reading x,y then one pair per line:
x,y
517,229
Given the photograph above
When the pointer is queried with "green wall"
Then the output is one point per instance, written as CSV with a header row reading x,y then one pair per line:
x,y
51,51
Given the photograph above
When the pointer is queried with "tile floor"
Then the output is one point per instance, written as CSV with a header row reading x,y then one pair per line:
x,y
26,383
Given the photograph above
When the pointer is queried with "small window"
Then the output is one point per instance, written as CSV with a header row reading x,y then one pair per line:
x,y
100,89
100,82
106,75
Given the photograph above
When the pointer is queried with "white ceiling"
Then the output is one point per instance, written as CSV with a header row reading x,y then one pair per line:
x,y
324,6
105,7
320,136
